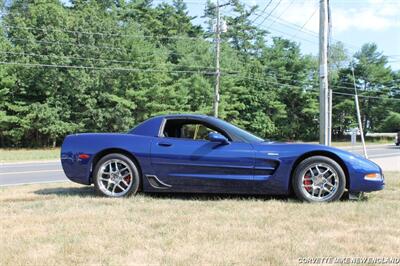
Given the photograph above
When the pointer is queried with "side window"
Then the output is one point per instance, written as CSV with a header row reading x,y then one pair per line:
x,y
187,129
202,132
195,131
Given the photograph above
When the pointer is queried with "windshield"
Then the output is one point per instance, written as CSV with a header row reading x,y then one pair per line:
x,y
240,133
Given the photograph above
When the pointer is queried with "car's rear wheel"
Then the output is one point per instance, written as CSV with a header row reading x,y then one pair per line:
x,y
115,175
319,179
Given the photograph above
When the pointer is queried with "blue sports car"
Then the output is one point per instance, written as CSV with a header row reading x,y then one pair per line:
x,y
198,153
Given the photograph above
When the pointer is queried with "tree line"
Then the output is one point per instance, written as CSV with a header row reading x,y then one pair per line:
x,y
105,66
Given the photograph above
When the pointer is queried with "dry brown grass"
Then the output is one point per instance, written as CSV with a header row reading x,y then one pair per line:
x,y
17,155
65,224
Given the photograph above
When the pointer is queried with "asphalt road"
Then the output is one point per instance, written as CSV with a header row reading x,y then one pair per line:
x,y
376,151
31,173
47,172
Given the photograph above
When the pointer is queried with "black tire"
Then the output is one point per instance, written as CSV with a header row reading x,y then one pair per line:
x,y
303,168
120,160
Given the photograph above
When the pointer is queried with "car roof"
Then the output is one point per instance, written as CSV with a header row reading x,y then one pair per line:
x,y
151,126
185,116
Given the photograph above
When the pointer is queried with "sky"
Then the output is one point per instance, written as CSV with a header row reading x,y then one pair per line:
x,y
354,22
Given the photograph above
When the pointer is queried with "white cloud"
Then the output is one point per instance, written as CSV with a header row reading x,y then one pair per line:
x,y
375,15
251,2
299,13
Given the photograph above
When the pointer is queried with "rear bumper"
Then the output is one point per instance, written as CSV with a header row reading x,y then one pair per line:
x,y
79,180
76,169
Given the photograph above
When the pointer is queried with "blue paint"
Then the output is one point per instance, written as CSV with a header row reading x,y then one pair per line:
x,y
243,164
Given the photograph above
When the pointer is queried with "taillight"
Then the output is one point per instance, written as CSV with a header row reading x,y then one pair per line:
x,y
83,156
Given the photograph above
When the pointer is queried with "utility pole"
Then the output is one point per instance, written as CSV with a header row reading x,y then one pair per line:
x,y
218,31
330,98
217,68
358,114
323,73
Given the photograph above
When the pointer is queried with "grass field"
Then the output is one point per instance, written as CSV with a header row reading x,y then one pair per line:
x,y
66,224
14,155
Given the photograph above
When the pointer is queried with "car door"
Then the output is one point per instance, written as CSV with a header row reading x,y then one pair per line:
x,y
197,164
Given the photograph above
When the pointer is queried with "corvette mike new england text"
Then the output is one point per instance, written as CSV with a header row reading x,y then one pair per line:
x,y
350,260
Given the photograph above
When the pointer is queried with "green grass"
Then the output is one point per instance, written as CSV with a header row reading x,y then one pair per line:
x,y
14,155
66,224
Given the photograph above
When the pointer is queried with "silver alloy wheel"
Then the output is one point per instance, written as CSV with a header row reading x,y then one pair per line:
x,y
115,178
319,182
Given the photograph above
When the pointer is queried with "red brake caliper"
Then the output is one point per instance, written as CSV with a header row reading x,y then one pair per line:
x,y
307,181
127,179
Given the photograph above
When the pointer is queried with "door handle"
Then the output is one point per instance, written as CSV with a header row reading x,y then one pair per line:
x,y
164,144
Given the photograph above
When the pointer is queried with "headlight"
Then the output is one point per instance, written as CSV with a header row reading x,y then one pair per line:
x,y
373,176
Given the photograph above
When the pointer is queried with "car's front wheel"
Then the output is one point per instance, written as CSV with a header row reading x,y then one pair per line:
x,y
319,179
115,175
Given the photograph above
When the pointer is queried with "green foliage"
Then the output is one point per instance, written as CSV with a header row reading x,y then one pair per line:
x,y
108,65
391,123
372,77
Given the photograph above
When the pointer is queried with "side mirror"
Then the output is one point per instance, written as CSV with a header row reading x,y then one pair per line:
x,y
216,137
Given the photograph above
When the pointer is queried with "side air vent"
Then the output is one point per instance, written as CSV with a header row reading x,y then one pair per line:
x,y
157,183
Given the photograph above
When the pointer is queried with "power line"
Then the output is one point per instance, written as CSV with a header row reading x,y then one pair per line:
x,y
123,61
105,47
310,88
296,81
81,45
265,8
284,23
105,60
117,48
305,87
308,20
270,13
185,2
275,75
106,68
270,74
98,59
287,34
299,28
105,34
296,27
110,34
277,19
366,96
281,14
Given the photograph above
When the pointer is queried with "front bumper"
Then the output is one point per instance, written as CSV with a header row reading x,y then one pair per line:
x,y
359,170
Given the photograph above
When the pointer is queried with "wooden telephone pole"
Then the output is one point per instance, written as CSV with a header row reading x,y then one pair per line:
x,y
324,101
217,52
218,30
